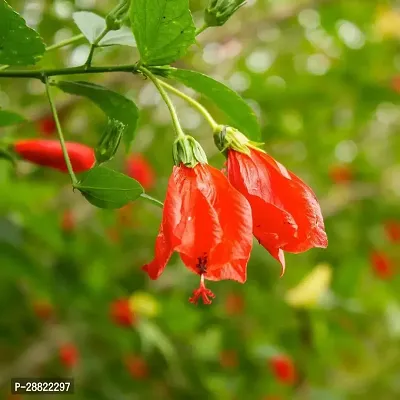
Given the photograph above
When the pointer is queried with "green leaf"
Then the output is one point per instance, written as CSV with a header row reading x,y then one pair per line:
x,y
106,188
123,37
233,105
92,25
163,29
6,155
10,118
19,44
114,105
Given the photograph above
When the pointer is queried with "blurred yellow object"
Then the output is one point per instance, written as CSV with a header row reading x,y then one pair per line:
x,y
387,23
310,289
144,304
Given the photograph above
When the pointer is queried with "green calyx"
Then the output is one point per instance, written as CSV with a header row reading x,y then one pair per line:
x,y
230,138
117,15
219,11
109,142
187,151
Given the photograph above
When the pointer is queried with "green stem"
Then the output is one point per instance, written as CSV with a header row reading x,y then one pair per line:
x,y
200,30
60,134
39,74
201,109
94,46
65,42
157,83
152,200
56,46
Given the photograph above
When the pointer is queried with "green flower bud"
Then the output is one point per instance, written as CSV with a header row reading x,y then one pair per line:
x,y
116,16
187,151
231,138
219,11
109,142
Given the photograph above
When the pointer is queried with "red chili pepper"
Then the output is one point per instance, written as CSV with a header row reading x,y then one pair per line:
x,y
48,153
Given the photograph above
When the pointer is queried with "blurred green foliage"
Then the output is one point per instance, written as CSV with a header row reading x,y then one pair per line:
x,y
323,78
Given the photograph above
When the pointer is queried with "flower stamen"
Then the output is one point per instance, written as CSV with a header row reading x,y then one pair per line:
x,y
202,292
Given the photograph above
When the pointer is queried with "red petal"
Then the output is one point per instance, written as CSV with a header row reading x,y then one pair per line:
x,y
262,177
228,255
167,238
307,213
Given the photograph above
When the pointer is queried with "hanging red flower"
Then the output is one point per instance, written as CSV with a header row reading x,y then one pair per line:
x,y
382,264
283,369
205,220
137,167
121,312
286,213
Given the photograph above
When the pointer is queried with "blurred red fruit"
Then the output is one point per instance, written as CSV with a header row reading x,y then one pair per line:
x,y
341,174
228,359
396,84
283,369
125,215
392,230
47,126
137,367
234,304
43,309
113,235
121,313
137,167
68,221
381,264
69,355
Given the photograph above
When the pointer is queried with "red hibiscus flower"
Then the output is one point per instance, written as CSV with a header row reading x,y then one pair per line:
x,y
286,213
137,167
121,312
205,220
283,369
382,264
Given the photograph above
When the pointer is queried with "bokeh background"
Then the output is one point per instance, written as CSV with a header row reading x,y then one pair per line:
x,y
324,79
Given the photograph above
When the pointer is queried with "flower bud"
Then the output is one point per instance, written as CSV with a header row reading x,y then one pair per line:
x,y
231,138
187,151
116,17
109,142
219,11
